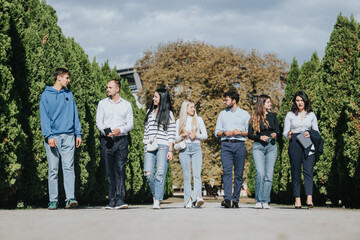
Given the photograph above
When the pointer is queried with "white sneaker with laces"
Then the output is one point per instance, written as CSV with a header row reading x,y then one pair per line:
x,y
156,205
266,206
188,205
258,205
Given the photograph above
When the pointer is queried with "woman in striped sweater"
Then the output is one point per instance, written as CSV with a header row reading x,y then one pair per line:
x,y
159,127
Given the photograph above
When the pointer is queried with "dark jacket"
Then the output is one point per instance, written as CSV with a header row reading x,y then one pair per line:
x,y
318,142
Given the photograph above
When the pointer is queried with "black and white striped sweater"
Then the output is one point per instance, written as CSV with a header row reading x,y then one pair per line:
x,y
162,136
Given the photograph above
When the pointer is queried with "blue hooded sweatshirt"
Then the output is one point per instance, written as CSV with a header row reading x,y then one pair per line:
x,y
58,113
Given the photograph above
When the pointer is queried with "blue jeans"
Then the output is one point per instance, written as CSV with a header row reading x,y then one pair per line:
x,y
233,155
192,155
65,148
264,159
156,180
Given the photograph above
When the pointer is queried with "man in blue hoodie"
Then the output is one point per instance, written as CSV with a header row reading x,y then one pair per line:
x,y
60,125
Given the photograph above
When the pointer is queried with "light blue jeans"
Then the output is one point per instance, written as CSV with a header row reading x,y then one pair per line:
x,y
192,155
65,148
156,180
264,159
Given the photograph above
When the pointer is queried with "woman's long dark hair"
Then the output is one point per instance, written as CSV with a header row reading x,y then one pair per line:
x,y
306,100
163,115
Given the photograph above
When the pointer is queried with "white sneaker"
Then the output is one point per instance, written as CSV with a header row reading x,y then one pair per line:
x,y
122,206
156,205
266,206
199,202
258,205
189,204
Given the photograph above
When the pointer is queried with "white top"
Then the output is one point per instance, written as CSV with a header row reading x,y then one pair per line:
x,y
162,137
293,122
201,133
114,115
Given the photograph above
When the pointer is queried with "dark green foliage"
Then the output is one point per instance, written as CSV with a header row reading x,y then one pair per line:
x,y
251,177
339,114
281,191
333,87
308,81
136,186
32,46
12,137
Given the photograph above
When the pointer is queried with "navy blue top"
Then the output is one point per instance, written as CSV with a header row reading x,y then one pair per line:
x,y
264,130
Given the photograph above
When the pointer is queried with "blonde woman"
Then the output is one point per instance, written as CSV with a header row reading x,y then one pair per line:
x,y
191,129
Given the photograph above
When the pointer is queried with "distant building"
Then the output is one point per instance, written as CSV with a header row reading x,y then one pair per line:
x,y
131,76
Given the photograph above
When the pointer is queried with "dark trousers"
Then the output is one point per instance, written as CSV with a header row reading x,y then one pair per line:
x,y
233,154
297,157
114,154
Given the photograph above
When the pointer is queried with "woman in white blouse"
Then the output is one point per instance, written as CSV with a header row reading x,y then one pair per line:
x,y
191,129
298,121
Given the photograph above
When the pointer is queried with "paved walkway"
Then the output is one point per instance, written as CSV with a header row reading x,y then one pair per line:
x,y
175,222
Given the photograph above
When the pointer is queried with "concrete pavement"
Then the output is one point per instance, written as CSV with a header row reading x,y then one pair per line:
x,y
175,222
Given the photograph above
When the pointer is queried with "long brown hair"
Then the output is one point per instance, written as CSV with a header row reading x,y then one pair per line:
x,y
259,113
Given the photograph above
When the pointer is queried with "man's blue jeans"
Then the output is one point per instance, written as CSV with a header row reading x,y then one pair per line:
x,y
156,180
65,148
233,154
192,155
264,159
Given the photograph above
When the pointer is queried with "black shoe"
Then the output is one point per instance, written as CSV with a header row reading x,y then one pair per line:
x,y
226,203
111,205
235,205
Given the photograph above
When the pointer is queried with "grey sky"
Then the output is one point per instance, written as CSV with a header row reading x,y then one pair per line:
x,y
121,30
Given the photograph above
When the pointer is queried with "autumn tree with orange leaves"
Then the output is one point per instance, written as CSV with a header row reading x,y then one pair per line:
x,y
202,73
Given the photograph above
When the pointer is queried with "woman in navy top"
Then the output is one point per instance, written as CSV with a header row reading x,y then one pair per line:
x,y
263,129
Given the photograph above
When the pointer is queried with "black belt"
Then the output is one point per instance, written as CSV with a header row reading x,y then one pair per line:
x,y
114,139
232,140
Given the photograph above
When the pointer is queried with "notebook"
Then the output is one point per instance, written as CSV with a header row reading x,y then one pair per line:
x,y
304,141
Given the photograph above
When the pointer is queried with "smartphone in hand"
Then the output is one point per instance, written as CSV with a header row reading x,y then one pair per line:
x,y
107,131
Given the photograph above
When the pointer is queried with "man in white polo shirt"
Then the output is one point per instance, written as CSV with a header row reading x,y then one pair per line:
x,y
114,119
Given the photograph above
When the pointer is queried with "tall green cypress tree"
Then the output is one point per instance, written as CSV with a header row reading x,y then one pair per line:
x,y
80,68
42,41
339,78
281,191
12,137
136,186
308,81
32,46
96,84
350,180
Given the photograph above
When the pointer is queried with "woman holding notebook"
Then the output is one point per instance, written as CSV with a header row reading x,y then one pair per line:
x,y
301,121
